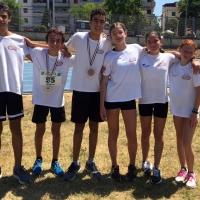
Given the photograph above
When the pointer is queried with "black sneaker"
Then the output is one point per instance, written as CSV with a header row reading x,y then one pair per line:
x,y
115,175
131,175
71,172
156,178
0,173
92,170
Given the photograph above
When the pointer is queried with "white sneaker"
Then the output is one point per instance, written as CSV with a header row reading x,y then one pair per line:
x,y
147,167
191,180
181,175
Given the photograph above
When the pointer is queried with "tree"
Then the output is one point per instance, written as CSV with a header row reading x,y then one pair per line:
x,y
46,19
173,24
16,19
157,22
82,12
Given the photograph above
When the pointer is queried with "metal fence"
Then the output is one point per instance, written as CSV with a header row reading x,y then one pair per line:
x,y
40,20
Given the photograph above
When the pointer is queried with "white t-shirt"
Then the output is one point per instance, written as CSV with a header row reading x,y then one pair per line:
x,y
182,89
154,77
41,59
81,81
123,68
12,51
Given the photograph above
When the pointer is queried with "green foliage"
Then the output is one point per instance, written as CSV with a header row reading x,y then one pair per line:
x,y
16,19
46,19
173,24
40,28
157,24
82,12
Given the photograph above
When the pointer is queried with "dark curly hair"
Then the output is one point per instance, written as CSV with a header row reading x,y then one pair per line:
x,y
56,31
5,7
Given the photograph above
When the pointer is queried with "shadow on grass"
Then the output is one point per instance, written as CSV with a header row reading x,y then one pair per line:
x,y
57,188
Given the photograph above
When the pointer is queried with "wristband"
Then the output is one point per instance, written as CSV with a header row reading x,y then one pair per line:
x,y
196,112
195,109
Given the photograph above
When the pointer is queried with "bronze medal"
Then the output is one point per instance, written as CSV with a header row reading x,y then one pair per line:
x,y
90,72
48,89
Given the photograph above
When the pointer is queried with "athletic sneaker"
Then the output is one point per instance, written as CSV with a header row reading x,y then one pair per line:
x,y
181,175
0,173
147,167
72,171
115,175
56,168
156,178
22,175
191,180
92,170
37,167
131,175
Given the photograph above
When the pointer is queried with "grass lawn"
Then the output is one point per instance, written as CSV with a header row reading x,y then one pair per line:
x,y
47,186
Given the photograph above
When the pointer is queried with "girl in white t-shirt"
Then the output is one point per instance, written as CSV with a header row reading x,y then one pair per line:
x,y
184,104
154,76
120,86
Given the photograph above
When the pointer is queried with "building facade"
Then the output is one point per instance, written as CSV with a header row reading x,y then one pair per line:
x,y
32,12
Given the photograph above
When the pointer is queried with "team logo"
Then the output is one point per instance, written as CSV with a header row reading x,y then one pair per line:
x,y
144,65
100,51
59,63
132,59
13,48
186,77
161,64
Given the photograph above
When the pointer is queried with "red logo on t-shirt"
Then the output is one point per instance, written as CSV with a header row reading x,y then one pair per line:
x,y
132,59
100,51
13,48
59,63
186,77
161,64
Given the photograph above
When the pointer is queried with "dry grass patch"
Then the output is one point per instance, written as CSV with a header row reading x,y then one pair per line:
x,y
47,186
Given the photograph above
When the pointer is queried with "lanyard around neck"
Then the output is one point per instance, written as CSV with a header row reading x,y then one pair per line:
x,y
95,51
55,64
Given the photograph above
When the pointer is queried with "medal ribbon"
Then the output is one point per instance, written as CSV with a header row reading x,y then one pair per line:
x,y
55,65
95,51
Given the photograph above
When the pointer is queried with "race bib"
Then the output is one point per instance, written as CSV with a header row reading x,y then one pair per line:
x,y
52,79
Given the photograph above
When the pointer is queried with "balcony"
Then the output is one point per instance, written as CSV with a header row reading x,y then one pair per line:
x,y
149,4
38,14
40,4
61,13
61,5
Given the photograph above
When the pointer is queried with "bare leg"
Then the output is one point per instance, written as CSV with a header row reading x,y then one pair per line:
x,y
93,137
179,126
129,117
113,127
159,125
39,133
146,131
1,130
15,128
55,129
77,140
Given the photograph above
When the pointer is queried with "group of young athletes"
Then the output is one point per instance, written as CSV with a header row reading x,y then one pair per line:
x,y
104,81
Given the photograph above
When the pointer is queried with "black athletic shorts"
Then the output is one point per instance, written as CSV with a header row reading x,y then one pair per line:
x,y
13,104
156,109
85,105
125,105
40,114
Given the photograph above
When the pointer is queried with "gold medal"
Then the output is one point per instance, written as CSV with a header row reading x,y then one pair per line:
x,y
48,89
90,72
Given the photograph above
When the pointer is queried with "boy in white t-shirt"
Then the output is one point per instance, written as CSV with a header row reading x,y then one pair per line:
x,y
12,51
50,71
90,50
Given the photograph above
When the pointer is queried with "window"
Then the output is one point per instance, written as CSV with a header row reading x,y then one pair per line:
x,y
26,20
25,10
173,13
76,1
25,1
148,11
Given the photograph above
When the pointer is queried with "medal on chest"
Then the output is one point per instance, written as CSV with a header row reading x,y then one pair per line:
x,y
91,71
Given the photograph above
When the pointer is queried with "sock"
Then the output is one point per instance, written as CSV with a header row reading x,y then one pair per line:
x,y
90,160
190,172
54,160
76,162
156,168
39,157
184,168
17,167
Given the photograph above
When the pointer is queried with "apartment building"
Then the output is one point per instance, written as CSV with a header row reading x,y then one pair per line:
x,y
32,12
169,11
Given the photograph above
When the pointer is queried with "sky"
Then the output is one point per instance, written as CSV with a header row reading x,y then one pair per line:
x,y
159,3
